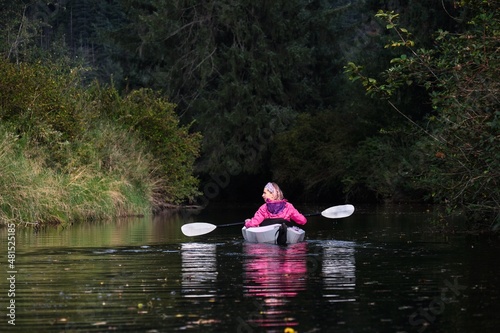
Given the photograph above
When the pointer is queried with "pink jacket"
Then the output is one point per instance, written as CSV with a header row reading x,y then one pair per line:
x,y
280,209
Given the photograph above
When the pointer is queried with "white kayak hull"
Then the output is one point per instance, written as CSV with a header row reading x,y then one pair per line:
x,y
269,234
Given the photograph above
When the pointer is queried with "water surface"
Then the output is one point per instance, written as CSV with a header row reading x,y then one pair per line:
x,y
376,271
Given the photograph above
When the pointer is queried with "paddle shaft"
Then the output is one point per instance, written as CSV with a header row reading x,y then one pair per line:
x,y
240,223
202,228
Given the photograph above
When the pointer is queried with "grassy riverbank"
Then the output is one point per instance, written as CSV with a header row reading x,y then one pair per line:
x,y
35,193
73,152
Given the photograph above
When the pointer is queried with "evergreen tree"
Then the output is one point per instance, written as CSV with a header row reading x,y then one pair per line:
x,y
242,69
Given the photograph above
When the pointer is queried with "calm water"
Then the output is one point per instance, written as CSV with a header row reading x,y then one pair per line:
x,y
376,271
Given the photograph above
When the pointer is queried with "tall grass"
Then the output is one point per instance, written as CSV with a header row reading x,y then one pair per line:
x,y
86,189
76,152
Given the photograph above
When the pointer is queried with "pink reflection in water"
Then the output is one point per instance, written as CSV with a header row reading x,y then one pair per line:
x,y
276,274
274,271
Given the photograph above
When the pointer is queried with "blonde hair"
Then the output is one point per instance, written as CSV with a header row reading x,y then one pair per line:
x,y
275,191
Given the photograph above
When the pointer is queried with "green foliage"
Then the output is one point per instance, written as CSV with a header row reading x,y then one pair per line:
x,y
241,72
154,120
37,99
315,152
89,151
461,77
389,166
33,193
245,67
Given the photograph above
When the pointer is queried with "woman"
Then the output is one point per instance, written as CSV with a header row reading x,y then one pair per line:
x,y
275,210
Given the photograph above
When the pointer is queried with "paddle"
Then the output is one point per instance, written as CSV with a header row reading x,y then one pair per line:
x,y
202,228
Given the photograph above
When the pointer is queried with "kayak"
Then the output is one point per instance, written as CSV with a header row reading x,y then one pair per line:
x,y
295,235
269,234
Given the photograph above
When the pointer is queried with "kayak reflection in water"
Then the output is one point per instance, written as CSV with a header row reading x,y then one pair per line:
x,y
276,275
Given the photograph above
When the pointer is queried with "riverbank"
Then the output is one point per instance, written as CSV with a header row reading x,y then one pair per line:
x,y
33,192
73,151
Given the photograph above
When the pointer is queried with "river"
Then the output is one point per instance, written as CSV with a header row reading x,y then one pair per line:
x,y
379,270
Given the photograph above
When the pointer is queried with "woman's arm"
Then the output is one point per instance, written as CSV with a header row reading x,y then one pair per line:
x,y
257,219
295,216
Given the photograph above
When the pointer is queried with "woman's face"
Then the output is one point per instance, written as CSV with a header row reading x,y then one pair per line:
x,y
267,195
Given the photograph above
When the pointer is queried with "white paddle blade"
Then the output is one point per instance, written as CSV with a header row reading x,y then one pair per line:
x,y
337,212
197,228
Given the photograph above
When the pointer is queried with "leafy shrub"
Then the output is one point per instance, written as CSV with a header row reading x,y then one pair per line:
x,y
461,77
152,118
76,153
